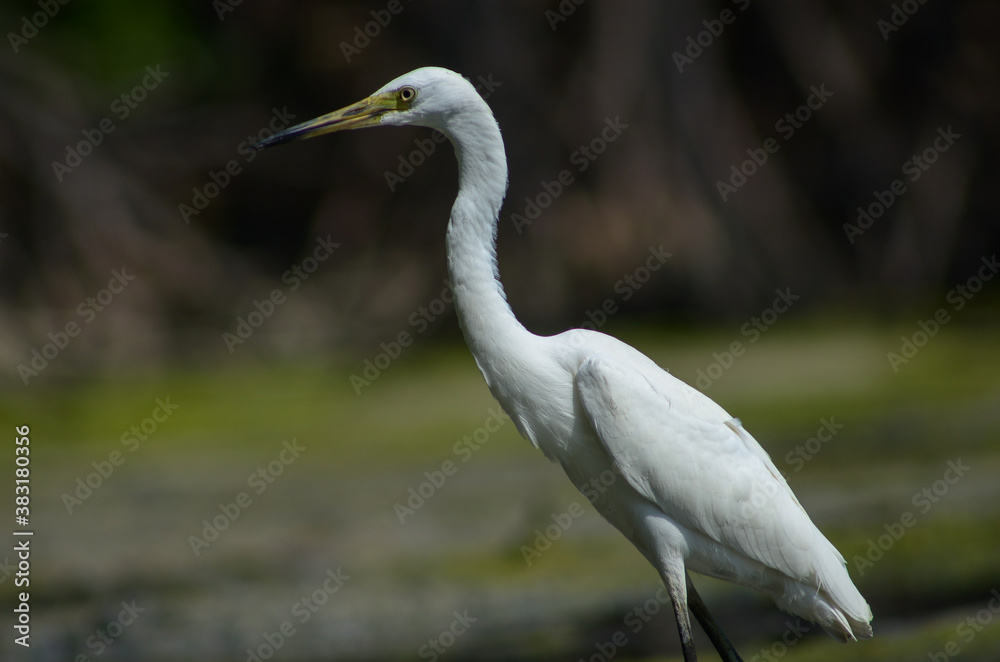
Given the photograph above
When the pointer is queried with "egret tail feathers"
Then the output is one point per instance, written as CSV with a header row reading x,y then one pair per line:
x,y
837,606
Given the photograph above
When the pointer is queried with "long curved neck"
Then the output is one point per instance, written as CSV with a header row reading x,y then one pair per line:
x,y
491,330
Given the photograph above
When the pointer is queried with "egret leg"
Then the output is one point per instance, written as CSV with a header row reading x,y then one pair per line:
x,y
679,599
722,644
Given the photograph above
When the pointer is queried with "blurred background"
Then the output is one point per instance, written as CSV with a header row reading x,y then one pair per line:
x,y
256,432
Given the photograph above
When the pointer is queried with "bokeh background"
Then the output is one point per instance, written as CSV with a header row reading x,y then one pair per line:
x,y
222,474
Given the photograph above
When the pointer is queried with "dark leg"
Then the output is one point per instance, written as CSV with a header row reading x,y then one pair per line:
x,y
726,650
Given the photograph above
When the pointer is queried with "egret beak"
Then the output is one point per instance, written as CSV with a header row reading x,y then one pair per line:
x,y
364,113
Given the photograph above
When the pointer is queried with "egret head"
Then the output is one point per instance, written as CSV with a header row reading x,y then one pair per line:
x,y
424,97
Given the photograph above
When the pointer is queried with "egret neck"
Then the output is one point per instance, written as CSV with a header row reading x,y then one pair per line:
x,y
490,328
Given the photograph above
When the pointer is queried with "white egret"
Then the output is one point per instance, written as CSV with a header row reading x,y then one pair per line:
x,y
693,490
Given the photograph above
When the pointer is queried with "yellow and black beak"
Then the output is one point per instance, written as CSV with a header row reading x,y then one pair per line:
x,y
364,113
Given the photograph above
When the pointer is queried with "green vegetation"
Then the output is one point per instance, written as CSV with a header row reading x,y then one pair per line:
x,y
925,563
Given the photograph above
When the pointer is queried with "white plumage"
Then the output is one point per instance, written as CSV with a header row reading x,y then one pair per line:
x,y
693,489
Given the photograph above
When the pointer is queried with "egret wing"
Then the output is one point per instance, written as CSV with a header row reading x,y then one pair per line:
x,y
708,475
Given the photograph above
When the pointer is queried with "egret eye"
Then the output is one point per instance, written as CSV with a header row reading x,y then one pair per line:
x,y
407,94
